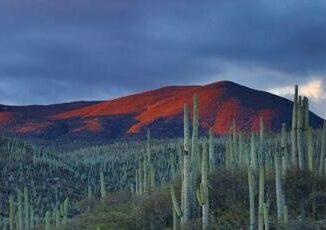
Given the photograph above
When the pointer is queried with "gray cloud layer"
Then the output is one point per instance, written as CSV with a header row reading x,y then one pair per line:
x,y
53,51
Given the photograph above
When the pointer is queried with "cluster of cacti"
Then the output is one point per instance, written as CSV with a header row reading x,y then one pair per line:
x,y
300,132
145,174
46,179
193,163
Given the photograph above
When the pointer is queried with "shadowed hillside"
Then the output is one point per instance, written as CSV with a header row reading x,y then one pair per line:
x,y
160,110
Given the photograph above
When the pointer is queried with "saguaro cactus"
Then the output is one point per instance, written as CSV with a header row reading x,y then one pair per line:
x,y
184,211
202,192
285,157
194,154
212,162
253,153
278,185
294,142
300,134
103,190
310,150
323,150
261,196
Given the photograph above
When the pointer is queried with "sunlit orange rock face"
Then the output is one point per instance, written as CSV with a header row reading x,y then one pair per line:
x,y
160,110
5,118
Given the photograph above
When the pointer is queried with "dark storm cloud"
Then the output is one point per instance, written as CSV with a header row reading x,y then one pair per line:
x,y
53,51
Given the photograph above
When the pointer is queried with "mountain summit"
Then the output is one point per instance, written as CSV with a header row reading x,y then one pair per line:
x,y
161,110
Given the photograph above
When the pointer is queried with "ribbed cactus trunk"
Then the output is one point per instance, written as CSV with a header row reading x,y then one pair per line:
x,y
187,188
278,186
140,178
294,141
175,219
241,151
266,215
187,192
323,150
235,152
194,155
300,134
65,210
212,162
310,150
145,170
149,158
286,215
251,185
253,153
285,160
102,184
204,190
261,195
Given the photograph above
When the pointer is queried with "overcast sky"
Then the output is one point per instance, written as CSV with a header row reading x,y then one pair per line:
x,y
64,50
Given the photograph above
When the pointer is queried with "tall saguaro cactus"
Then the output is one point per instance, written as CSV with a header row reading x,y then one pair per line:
x,y
194,153
212,162
202,192
300,133
253,153
278,185
261,195
294,142
184,210
323,150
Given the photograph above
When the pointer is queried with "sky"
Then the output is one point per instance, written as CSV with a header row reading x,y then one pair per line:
x,y
67,50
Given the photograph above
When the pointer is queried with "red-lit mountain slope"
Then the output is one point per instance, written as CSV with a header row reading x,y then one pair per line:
x,y
161,110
